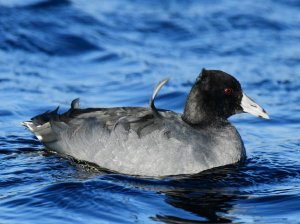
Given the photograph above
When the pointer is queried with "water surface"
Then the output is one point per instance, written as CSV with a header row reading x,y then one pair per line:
x,y
112,53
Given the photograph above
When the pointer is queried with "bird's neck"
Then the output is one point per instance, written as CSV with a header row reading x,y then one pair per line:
x,y
200,110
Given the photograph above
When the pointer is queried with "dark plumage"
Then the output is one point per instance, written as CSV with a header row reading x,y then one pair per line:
x,y
151,141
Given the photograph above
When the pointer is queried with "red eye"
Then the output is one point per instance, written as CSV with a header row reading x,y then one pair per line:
x,y
228,91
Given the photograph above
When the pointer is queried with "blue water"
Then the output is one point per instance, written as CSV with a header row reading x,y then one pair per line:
x,y
112,53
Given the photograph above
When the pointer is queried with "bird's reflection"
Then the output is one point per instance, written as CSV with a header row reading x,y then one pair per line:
x,y
209,197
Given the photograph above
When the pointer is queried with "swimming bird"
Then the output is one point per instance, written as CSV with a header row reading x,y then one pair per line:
x,y
151,141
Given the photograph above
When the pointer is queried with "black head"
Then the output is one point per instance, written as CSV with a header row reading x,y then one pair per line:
x,y
215,96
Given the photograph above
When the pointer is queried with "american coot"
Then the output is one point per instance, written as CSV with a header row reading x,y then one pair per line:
x,y
151,141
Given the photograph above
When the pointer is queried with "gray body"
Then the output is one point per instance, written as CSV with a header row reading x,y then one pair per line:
x,y
134,141
151,142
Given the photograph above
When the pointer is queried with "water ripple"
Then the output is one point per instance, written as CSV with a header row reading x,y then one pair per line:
x,y
112,53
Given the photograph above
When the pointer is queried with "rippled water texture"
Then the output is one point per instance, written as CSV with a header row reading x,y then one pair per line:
x,y
112,53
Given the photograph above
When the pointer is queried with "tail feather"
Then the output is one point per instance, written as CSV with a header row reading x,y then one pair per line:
x,y
155,92
44,132
45,126
40,126
45,117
